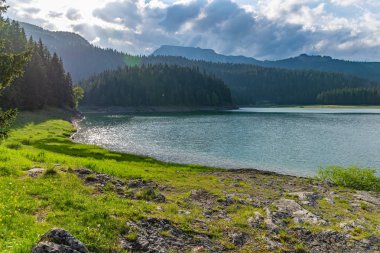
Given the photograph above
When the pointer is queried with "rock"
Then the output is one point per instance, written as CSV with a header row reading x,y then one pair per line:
x,y
290,208
349,226
202,198
35,172
271,245
306,198
185,212
366,196
238,239
137,188
198,249
269,222
59,241
256,220
329,241
160,235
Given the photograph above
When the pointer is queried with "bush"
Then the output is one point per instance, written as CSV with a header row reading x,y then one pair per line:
x,y
355,178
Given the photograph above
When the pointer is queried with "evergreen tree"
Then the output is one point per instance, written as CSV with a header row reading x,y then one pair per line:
x,y
45,83
155,85
13,57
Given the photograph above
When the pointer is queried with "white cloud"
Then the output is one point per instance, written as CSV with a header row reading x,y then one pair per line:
x,y
269,29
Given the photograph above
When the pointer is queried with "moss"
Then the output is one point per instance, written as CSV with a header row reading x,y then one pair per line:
x,y
131,237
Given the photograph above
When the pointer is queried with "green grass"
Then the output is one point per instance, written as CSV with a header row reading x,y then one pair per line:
x,y
355,178
30,207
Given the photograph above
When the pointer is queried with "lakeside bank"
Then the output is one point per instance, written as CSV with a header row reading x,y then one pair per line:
x,y
115,202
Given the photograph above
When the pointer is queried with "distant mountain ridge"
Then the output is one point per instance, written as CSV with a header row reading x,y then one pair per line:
x,y
368,70
210,55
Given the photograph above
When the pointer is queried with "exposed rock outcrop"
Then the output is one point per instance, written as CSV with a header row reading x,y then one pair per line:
x,y
59,241
159,236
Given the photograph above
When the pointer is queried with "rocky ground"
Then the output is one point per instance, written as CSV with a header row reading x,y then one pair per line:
x,y
257,212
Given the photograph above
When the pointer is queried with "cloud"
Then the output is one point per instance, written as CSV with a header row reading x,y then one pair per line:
x,y
178,14
32,10
270,29
73,14
54,14
120,12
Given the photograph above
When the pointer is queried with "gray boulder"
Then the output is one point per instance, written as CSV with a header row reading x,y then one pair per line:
x,y
59,241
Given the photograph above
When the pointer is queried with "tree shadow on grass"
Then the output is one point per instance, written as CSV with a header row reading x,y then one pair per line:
x,y
66,147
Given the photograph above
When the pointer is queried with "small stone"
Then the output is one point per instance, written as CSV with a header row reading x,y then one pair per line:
x,y
238,239
185,212
35,172
256,220
199,249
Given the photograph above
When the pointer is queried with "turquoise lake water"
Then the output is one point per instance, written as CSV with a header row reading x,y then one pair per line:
x,y
294,141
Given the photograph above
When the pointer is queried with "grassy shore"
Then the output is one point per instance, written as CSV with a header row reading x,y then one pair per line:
x,y
198,200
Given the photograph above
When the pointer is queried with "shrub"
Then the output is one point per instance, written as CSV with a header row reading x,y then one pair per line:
x,y
355,178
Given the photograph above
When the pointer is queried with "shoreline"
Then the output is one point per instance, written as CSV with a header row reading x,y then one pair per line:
x,y
75,122
154,109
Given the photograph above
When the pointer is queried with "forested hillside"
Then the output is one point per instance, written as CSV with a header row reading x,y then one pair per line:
x,y
350,96
252,84
44,81
367,70
158,85
80,58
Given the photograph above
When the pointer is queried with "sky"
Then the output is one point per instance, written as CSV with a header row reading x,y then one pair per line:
x,y
263,29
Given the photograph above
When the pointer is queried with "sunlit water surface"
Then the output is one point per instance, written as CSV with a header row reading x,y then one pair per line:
x,y
293,141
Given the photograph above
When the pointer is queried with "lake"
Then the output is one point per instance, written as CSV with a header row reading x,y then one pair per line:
x,y
294,141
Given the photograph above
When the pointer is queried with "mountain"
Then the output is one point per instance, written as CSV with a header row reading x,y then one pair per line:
x,y
202,55
368,70
80,58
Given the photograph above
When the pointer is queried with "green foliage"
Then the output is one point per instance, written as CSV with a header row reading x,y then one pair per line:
x,y
44,83
7,118
355,178
78,95
155,85
351,96
13,57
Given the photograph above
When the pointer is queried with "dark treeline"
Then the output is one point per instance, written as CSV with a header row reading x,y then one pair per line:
x,y
44,82
252,85
350,96
158,85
